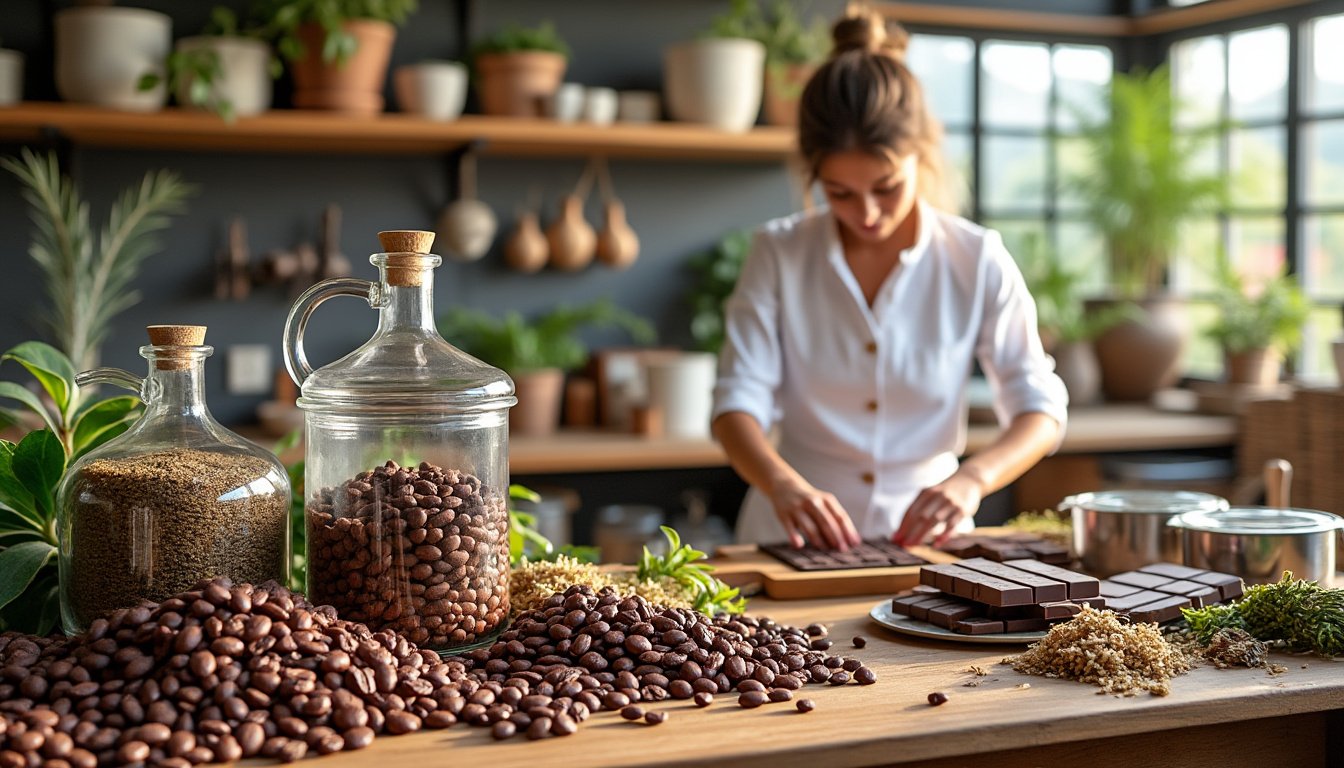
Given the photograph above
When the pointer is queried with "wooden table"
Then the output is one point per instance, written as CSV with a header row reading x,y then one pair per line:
x,y
1214,718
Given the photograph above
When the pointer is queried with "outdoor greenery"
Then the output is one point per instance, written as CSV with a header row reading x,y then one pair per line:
x,y
549,341
31,470
1143,179
88,279
513,38
1061,312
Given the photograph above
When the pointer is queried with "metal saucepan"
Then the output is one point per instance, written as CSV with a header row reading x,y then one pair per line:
x,y
1123,530
1260,543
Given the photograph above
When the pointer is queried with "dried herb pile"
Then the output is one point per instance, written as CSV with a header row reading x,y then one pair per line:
x,y
1299,614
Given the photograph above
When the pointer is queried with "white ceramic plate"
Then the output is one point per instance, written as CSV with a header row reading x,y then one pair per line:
x,y
882,614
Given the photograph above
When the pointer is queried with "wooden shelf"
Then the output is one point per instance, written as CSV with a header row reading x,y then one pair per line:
x,y
313,131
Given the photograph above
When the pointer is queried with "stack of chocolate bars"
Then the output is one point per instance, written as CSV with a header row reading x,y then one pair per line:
x,y
978,596
1003,547
873,553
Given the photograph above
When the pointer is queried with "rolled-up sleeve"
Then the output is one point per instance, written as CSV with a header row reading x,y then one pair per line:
x,y
751,363
1020,373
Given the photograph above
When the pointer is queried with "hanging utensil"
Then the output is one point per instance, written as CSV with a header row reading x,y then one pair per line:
x,y
617,243
572,240
467,226
526,249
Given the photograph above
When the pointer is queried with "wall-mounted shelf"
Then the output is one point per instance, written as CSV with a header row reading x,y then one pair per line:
x,y
311,131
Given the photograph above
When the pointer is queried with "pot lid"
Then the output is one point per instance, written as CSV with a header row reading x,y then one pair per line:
x,y
1259,521
1145,501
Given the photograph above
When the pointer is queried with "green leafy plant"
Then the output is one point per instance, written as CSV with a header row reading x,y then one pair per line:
x,y
1061,312
742,19
1300,614
681,564
201,68
789,41
279,20
1271,318
549,341
89,283
30,473
1142,181
716,272
513,38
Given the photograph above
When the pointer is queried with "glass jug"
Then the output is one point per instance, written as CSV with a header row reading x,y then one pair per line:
x,y
406,481
175,499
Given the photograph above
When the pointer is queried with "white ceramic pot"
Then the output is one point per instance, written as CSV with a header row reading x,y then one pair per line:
x,y
637,107
102,52
11,77
436,90
715,81
681,386
244,79
599,106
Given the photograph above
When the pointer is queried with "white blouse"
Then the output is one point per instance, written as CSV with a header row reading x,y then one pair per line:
x,y
869,403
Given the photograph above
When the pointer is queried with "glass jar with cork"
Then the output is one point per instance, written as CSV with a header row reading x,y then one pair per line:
x,y
406,500
175,499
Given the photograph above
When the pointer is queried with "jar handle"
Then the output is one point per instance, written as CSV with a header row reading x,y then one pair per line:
x,y
143,388
296,361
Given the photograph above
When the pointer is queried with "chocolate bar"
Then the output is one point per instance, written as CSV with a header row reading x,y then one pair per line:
x,y
873,553
979,586
1158,592
1043,589
1010,546
1080,585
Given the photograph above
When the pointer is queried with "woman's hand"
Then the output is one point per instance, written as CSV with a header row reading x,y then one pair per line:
x,y
816,515
945,504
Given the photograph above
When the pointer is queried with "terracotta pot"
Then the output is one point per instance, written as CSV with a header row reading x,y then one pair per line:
x,y
353,88
514,84
1076,363
783,87
1255,367
539,393
1140,356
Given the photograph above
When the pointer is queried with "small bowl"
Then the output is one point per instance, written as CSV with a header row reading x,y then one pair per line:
x,y
1260,543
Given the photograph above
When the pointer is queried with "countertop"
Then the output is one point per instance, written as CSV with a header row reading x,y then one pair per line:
x,y
1237,717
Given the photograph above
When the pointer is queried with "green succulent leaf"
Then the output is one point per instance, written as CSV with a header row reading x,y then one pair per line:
x,y
103,421
38,463
19,564
12,391
52,369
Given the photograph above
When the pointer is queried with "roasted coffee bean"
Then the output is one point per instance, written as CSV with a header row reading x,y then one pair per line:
x,y
821,644
539,729
655,718
752,699
839,678
865,676
703,699
563,725
860,641
632,712
779,694
936,698
358,738
504,729
806,705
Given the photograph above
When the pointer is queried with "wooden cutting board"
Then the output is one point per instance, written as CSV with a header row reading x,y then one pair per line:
x,y
745,566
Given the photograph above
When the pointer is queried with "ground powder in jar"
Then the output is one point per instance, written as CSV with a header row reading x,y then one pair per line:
x,y
420,550
1097,647
151,526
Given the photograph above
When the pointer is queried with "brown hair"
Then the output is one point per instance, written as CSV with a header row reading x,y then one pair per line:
x,y
865,98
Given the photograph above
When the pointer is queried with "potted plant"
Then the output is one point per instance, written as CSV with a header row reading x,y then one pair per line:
x,y
716,272
224,70
1067,329
1141,184
717,78
792,53
518,66
537,353
338,50
90,280
1256,326
102,50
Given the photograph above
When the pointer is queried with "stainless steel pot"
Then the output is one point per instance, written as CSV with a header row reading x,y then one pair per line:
x,y
1116,531
1260,543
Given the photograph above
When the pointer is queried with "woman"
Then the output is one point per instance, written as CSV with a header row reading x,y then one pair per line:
x,y
852,330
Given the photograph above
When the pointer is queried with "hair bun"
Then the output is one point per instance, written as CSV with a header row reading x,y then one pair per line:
x,y
863,28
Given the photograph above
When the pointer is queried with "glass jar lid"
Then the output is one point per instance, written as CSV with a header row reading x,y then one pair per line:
x,y
1259,521
1145,501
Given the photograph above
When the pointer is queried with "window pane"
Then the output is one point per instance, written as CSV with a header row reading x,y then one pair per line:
x,y
1196,254
1323,256
1013,173
1324,75
944,65
1082,250
1082,73
1072,162
1257,73
1015,88
1317,362
1199,77
1020,236
1259,167
1256,245
1323,162
957,169
1203,357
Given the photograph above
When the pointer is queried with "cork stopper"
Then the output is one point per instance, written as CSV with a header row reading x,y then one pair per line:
x,y
406,249
175,336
